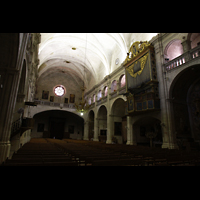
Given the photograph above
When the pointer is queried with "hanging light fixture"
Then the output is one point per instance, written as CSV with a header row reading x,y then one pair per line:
x,y
82,107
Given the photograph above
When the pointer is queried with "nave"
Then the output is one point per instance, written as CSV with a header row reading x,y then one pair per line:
x,y
68,152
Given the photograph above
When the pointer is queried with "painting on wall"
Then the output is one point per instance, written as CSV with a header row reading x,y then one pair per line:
x,y
51,98
72,98
66,100
45,94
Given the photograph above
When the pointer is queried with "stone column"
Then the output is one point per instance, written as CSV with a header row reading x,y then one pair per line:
x,y
110,129
186,47
9,86
86,130
131,137
165,113
96,129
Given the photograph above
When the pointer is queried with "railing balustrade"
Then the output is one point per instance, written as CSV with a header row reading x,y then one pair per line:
x,y
54,104
16,125
182,59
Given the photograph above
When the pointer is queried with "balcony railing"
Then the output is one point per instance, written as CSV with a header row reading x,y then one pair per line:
x,y
54,104
182,59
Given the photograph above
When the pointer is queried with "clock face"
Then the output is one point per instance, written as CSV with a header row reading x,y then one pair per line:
x,y
117,61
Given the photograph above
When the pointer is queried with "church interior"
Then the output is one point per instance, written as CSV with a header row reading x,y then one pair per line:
x,y
99,99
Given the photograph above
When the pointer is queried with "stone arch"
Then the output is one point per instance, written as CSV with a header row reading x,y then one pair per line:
x,y
114,86
119,120
173,49
145,125
99,95
193,99
59,124
102,123
122,81
105,91
102,111
118,103
40,108
194,38
180,100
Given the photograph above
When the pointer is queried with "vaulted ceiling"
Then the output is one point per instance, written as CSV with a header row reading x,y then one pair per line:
x,y
86,56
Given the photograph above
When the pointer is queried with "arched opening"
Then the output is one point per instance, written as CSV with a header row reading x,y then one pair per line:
x,y
58,124
173,50
90,100
195,39
105,91
91,125
184,103
114,86
122,80
99,95
120,121
147,127
102,125
94,98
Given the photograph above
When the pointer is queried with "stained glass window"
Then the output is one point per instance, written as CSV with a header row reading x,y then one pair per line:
x,y
59,90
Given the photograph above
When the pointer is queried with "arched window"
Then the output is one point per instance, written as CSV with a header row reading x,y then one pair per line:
x,y
59,90
173,50
99,96
90,101
105,91
94,99
114,86
195,40
122,80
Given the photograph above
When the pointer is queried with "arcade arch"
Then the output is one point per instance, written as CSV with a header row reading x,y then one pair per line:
x,y
173,49
119,120
58,124
102,123
183,103
194,38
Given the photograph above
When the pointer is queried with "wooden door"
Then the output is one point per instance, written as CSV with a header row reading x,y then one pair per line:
x,y
56,127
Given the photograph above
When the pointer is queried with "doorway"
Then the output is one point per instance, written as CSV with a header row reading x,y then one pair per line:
x,y
56,127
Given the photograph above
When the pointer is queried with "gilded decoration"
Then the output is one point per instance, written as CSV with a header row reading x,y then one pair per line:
x,y
142,61
137,50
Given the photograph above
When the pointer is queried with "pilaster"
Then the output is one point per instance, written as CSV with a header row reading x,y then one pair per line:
x,y
96,129
86,130
131,137
110,128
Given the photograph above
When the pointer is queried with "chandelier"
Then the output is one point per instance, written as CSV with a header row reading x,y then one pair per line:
x,y
82,107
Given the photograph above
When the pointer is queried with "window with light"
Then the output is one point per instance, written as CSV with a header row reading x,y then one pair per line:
x,y
59,90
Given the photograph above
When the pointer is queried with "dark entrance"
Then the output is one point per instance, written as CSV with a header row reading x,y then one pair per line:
x,y
56,127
